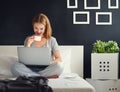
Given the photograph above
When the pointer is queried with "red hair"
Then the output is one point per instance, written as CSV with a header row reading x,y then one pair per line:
x,y
43,19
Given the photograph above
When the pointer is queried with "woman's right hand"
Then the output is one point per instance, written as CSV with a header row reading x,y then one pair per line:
x,y
30,40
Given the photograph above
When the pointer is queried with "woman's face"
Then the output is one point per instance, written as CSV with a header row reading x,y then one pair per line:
x,y
39,29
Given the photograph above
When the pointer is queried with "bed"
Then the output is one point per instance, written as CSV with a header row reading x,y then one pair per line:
x,y
71,80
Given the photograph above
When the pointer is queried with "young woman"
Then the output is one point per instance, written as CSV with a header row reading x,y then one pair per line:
x,y
42,37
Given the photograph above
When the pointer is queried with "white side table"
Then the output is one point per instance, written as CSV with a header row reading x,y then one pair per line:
x,y
105,85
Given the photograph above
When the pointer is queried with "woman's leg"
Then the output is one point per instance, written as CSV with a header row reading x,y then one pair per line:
x,y
53,69
19,69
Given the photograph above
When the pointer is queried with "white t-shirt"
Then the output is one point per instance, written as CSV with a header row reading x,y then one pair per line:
x,y
51,44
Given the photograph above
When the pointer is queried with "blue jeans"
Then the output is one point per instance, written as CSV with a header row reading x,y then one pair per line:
x,y
19,69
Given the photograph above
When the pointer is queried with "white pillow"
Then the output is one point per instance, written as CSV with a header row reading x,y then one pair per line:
x,y
66,59
5,66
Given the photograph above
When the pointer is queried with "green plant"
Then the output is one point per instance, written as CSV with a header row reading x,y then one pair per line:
x,y
105,47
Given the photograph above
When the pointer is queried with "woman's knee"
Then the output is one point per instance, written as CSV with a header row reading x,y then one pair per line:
x,y
59,67
16,68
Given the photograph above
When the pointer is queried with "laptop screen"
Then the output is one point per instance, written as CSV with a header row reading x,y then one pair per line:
x,y
34,55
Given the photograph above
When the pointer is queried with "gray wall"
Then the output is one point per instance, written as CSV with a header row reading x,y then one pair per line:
x,y
16,17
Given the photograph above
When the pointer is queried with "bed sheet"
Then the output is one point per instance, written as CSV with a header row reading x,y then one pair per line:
x,y
70,83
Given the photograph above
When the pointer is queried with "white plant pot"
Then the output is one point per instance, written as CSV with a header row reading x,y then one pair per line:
x,y
104,65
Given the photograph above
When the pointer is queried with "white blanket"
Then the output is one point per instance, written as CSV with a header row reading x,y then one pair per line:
x,y
70,83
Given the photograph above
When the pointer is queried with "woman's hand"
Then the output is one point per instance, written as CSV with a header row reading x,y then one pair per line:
x,y
52,62
30,40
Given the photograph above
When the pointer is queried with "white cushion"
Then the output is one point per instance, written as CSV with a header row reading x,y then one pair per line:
x,y
66,59
6,63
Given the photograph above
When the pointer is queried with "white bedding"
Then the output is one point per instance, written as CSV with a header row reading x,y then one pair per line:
x,y
70,83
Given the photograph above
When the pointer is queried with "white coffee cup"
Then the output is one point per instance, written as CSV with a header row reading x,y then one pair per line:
x,y
37,38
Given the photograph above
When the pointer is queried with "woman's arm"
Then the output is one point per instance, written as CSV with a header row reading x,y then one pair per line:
x,y
28,41
57,56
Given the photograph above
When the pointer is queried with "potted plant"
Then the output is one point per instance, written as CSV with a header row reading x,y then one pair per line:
x,y
104,60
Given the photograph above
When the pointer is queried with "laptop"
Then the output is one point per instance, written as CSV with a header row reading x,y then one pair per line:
x,y
34,55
